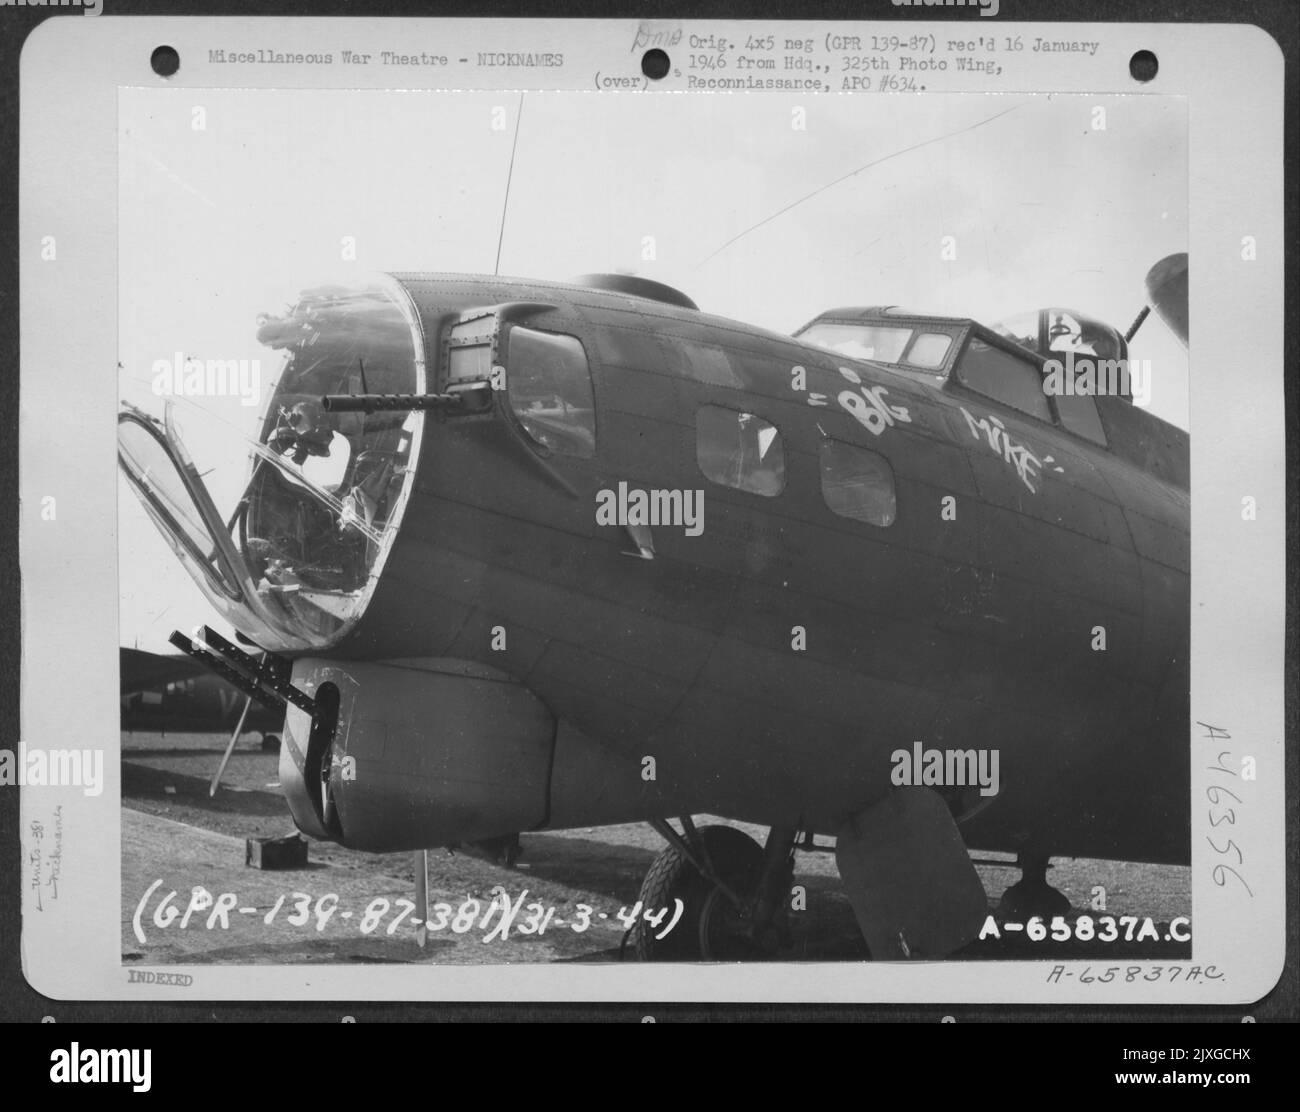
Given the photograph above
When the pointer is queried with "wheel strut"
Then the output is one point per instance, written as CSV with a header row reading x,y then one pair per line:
x,y
773,884
691,846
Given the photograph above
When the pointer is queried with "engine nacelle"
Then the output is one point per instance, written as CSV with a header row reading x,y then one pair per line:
x,y
411,754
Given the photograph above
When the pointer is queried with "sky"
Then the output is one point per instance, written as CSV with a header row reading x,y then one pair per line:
x,y
222,221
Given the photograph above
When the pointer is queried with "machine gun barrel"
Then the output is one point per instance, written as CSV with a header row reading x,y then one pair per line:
x,y
471,398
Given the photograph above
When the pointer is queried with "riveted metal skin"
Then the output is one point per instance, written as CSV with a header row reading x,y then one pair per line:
x,y
966,631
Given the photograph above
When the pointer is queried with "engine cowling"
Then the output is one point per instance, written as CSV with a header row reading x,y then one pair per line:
x,y
412,754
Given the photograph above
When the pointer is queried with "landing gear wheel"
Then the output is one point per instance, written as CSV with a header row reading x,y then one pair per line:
x,y
724,931
711,927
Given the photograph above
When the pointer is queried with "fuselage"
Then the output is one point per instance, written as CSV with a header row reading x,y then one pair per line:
x,y
1017,588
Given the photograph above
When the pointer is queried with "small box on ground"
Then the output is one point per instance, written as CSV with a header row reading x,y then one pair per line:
x,y
288,852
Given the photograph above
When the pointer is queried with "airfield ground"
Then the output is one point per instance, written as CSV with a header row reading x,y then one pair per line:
x,y
174,833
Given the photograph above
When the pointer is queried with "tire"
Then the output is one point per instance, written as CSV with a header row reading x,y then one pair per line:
x,y
737,859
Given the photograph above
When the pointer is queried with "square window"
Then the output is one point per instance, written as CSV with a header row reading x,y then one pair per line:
x,y
929,350
549,386
740,450
858,483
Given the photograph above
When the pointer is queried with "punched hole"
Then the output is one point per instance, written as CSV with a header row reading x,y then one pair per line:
x,y
1143,66
655,64
165,61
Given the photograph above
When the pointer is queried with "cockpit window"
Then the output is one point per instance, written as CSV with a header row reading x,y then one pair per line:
x,y
739,450
549,385
929,350
860,341
1003,376
1079,414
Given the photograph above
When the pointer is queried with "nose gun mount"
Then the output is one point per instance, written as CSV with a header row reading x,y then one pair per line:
x,y
268,681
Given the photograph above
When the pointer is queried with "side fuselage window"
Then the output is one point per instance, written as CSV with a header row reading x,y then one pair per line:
x,y
739,450
549,385
1005,377
858,483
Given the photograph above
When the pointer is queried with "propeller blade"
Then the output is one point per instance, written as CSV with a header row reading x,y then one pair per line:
x,y
1167,292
